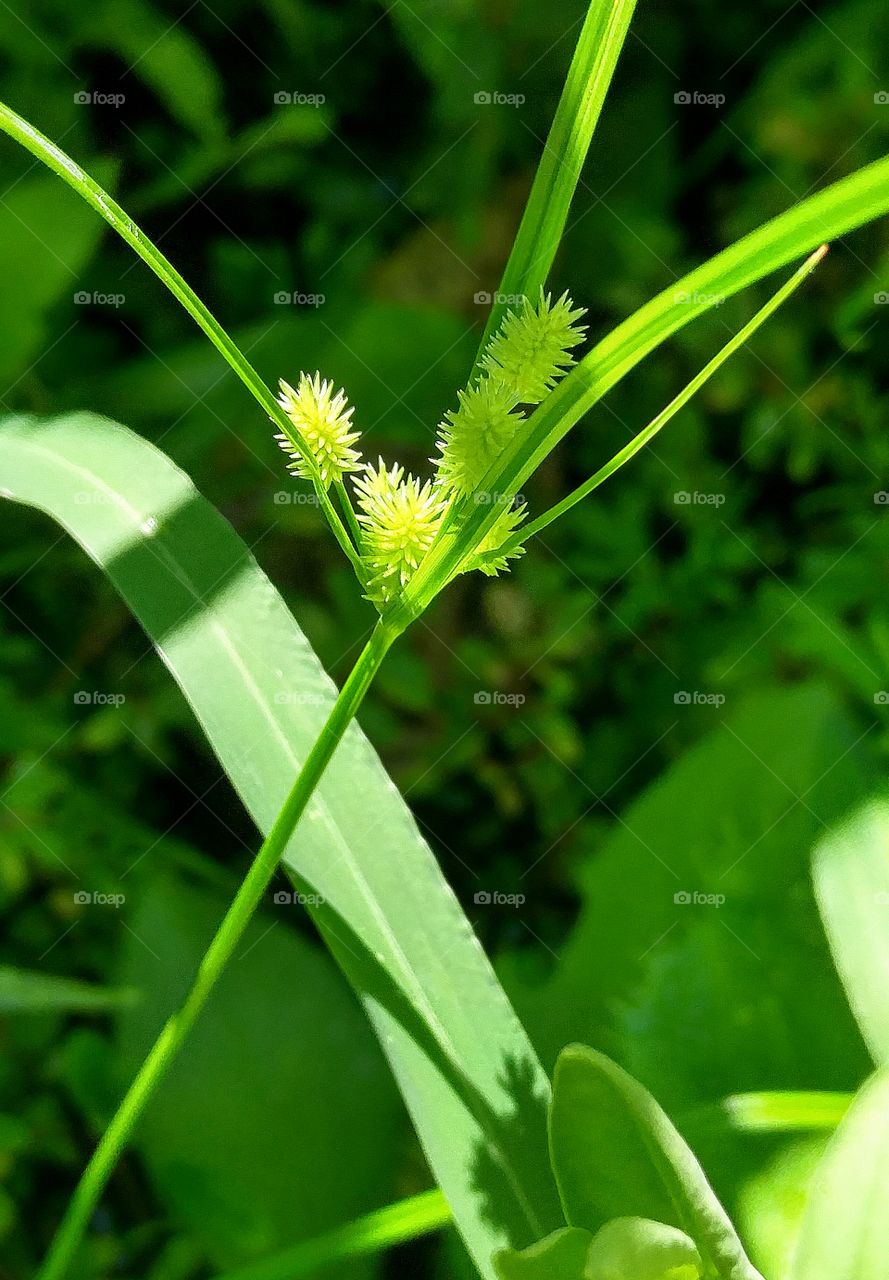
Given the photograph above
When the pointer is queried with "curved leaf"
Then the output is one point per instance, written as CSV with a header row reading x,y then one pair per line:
x,y
851,873
616,1155
843,1234
470,1078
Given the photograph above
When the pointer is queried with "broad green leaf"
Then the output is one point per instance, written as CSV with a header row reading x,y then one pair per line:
x,y
470,1078
851,872
843,1235
615,1154
23,991
244,1140
679,997
772,1201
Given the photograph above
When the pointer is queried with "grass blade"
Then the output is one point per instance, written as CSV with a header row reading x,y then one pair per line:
x,y
24,991
565,150
396,1224
786,1112
99,200
830,213
472,1082
678,402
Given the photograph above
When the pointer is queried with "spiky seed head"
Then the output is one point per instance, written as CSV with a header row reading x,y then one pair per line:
x,y
399,518
532,348
486,558
472,436
325,423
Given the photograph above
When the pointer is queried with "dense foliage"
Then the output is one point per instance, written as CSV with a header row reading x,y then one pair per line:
x,y
676,690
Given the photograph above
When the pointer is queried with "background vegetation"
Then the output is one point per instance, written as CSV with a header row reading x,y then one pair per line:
x,y
676,691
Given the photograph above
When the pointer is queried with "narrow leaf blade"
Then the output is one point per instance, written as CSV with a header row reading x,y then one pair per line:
x,y
474,1087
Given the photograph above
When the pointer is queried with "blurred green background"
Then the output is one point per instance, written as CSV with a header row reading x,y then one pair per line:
x,y
697,658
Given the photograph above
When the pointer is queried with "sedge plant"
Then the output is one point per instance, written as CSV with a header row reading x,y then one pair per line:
x,y
407,537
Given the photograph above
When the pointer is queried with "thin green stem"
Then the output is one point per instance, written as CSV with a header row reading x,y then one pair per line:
x,y
99,199
349,512
397,1223
564,154
92,1183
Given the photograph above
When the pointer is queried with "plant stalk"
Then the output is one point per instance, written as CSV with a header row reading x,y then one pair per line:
x,y
92,1183
98,199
